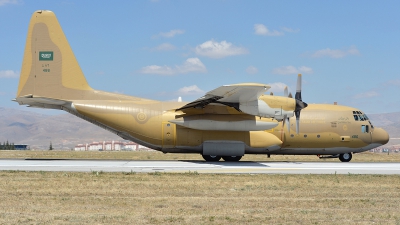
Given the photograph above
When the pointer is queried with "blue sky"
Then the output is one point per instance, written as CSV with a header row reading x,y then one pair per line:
x,y
347,51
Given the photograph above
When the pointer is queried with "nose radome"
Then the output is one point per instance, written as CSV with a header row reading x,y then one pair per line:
x,y
379,135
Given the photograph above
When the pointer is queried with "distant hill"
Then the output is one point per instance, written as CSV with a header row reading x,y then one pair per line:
x,y
65,130
391,123
37,130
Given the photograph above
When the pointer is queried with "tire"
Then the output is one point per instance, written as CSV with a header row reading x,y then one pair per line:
x,y
211,158
346,157
231,158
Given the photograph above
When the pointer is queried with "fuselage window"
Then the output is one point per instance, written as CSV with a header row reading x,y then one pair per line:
x,y
355,117
364,129
318,136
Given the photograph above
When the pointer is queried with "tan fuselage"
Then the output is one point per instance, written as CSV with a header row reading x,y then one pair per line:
x,y
324,129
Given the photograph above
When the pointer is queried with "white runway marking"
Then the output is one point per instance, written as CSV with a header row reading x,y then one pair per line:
x,y
201,166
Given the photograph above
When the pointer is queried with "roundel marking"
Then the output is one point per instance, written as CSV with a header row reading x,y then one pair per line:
x,y
141,116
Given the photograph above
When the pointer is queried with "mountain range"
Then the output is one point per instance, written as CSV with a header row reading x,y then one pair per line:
x,y
65,131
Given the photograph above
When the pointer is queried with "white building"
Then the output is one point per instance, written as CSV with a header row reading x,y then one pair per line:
x,y
110,146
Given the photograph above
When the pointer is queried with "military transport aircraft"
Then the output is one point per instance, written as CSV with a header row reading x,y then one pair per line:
x,y
227,122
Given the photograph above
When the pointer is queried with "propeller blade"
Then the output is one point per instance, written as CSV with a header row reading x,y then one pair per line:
x,y
288,124
297,121
298,88
285,92
299,103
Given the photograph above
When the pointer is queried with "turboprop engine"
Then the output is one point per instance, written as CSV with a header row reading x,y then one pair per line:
x,y
268,106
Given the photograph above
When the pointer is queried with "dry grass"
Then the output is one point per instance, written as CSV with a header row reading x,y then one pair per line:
x,y
192,198
154,155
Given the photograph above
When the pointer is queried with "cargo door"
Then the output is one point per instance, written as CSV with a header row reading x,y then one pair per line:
x,y
168,135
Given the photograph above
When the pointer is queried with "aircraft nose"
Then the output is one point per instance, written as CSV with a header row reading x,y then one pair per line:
x,y
380,136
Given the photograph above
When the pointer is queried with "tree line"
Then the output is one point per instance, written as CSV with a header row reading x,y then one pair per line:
x,y
7,146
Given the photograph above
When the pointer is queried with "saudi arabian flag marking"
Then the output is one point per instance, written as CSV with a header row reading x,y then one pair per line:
x,y
45,56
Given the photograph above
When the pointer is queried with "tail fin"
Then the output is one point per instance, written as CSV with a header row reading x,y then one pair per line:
x,y
49,67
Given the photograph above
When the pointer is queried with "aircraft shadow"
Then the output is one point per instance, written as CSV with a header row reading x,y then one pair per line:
x,y
227,164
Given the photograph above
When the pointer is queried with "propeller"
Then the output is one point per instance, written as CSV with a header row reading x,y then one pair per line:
x,y
285,92
299,103
285,118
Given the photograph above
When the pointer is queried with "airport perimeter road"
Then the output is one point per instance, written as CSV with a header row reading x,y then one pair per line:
x,y
199,166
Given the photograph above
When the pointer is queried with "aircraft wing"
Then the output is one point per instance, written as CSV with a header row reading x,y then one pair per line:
x,y
230,95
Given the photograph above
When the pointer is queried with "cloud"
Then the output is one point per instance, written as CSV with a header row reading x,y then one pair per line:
x,y
368,94
335,53
9,74
292,70
191,65
261,29
169,34
190,90
218,50
277,87
164,47
251,70
5,2
395,83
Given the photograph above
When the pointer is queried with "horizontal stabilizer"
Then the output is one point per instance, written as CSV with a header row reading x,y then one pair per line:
x,y
41,102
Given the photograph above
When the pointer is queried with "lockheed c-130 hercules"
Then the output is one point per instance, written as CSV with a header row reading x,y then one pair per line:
x,y
228,122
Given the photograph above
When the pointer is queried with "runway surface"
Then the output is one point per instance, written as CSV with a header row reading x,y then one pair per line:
x,y
199,166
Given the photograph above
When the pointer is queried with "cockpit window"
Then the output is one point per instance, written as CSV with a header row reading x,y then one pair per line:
x,y
359,116
372,126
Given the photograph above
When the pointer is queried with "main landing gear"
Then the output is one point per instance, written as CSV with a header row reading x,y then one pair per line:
x,y
216,158
346,157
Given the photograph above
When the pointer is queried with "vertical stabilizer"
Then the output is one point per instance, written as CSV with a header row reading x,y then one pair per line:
x,y
49,67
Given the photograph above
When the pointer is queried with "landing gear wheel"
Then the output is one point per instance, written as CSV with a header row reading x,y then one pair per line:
x,y
211,158
231,158
346,157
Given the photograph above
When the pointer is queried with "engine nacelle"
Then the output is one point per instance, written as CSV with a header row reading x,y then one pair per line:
x,y
270,107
